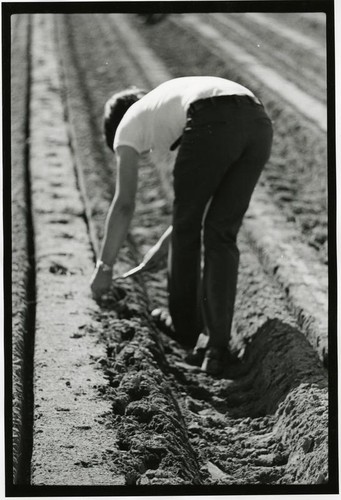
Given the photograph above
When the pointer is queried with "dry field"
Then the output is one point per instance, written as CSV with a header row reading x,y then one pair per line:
x,y
101,398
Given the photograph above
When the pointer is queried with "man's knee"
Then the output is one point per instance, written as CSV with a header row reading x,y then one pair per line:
x,y
220,233
187,224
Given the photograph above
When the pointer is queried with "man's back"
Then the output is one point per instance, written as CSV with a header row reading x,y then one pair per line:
x,y
157,120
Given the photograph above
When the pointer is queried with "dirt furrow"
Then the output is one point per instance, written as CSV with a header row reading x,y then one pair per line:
x,y
152,443
308,106
272,47
312,24
299,38
222,416
68,427
22,275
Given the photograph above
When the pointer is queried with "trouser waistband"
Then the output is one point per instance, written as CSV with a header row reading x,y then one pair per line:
x,y
217,101
223,99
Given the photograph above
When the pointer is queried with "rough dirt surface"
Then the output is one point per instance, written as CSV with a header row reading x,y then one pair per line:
x,y
115,403
309,59
21,263
67,408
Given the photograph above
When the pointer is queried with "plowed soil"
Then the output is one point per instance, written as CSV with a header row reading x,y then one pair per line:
x,y
265,420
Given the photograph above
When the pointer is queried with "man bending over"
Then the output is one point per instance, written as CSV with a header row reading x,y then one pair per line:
x,y
224,138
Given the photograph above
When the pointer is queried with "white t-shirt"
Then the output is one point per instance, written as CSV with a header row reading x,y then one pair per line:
x,y
157,120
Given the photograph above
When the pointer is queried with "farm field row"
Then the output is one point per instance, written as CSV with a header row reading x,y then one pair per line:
x,y
169,423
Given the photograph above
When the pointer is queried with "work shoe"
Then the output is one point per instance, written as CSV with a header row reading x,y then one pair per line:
x,y
215,360
197,355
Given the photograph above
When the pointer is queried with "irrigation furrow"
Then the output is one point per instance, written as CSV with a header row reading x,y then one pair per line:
x,y
292,35
311,23
23,285
304,67
135,367
308,106
67,421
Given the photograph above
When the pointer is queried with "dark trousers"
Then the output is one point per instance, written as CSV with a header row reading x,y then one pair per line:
x,y
226,142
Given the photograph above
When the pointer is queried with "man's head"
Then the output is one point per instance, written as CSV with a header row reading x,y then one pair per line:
x,y
115,108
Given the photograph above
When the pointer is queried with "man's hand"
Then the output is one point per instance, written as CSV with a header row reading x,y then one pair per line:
x,y
100,282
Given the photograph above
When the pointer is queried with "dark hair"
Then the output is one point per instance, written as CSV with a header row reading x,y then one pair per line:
x,y
114,110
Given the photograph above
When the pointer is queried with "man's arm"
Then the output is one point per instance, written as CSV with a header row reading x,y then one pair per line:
x,y
118,218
